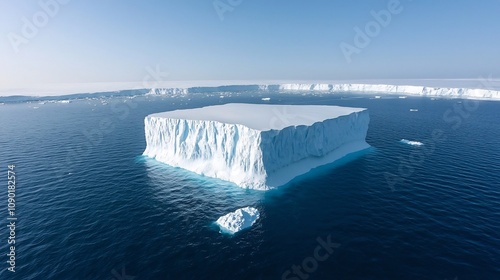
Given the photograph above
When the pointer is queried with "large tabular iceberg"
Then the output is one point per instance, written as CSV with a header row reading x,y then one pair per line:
x,y
253,145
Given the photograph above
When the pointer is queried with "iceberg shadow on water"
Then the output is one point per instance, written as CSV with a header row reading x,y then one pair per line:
x,y
323,170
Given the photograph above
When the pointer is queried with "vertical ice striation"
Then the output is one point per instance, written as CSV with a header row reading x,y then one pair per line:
x,y
229,152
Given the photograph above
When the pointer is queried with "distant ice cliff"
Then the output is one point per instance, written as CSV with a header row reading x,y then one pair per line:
x,y
344,88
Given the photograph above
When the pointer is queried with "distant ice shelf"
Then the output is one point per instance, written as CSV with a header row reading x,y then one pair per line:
x,y
402,91
238,220
255,146
482,89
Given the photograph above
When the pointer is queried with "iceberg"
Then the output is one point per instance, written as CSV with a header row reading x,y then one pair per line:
x,y
412,143
238,220
255,146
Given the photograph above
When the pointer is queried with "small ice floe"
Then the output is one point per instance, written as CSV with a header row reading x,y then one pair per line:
x,y
35,107
413,110
378,96
413,143
238,220
64,101
266,98
403,97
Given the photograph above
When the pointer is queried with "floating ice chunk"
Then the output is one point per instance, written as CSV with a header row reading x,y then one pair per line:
x,y
378,96
413,110
413,143
238,220
266,98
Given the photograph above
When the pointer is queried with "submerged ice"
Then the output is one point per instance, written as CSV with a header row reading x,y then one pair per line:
x,y
238,220
255,146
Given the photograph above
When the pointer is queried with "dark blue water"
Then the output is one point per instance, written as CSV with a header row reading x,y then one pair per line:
x,y
90,207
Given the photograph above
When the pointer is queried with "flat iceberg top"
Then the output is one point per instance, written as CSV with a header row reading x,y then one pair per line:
x,y
262,117
238,220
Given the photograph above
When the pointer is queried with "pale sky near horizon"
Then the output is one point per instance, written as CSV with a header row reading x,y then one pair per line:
x,y
73,42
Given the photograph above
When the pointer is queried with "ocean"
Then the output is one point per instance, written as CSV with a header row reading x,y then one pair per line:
x,y
88,205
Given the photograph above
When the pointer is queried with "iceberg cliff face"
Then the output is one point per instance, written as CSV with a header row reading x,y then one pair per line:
x,y
466,93
226,151
255,146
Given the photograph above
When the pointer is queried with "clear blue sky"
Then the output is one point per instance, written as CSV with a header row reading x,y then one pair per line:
x,y
114,41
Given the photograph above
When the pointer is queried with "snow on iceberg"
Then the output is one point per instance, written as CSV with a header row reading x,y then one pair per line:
x,y
255,146
413,143
238,220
